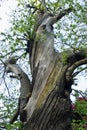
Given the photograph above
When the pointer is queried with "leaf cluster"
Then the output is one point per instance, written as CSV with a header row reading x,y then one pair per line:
x,y
8,107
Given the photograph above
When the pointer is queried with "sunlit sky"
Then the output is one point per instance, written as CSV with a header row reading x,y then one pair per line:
x,y
5,11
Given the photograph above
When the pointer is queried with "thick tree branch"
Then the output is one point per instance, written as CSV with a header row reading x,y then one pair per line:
x,y
74,66
73,56
42,61
14,117
48,19
25,90
77,72
57,17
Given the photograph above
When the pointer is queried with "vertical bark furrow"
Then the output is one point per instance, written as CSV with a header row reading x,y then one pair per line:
x,y
37,113
62,117
54,115
44,108
47,115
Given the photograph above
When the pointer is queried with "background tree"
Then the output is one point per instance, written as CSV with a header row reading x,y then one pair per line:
x,y
46,104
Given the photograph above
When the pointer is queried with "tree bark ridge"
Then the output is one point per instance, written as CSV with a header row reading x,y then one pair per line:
x,y
44,117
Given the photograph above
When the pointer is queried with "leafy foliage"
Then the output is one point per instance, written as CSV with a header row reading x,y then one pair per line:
x,y
8,107
80,106
70,31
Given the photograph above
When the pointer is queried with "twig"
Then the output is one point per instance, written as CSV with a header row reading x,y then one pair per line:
x,y
6,84
80,94
13,76
76,73
18,49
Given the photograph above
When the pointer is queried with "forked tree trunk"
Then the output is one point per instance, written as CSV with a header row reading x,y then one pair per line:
x,y
49,107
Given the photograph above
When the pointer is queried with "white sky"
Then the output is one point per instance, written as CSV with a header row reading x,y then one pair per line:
x,y
5,11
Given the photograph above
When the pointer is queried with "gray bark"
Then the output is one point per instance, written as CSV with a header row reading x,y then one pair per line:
x,y
25,89
49,107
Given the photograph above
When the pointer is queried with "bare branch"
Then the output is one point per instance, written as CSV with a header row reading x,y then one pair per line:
x,y
14,76
30,6
6,86
2,61
76,73
25,90
12,60
18,49
49,19
3,77
80,94
61,14
74,56
15,116
74,66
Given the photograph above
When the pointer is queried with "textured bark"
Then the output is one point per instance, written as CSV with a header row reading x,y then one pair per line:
x,y
49,107
25,89
55,114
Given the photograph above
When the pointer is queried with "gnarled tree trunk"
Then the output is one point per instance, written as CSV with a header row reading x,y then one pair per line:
x,y
49,107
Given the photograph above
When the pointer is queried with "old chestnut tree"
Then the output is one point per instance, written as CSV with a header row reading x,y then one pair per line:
x,y
44,101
